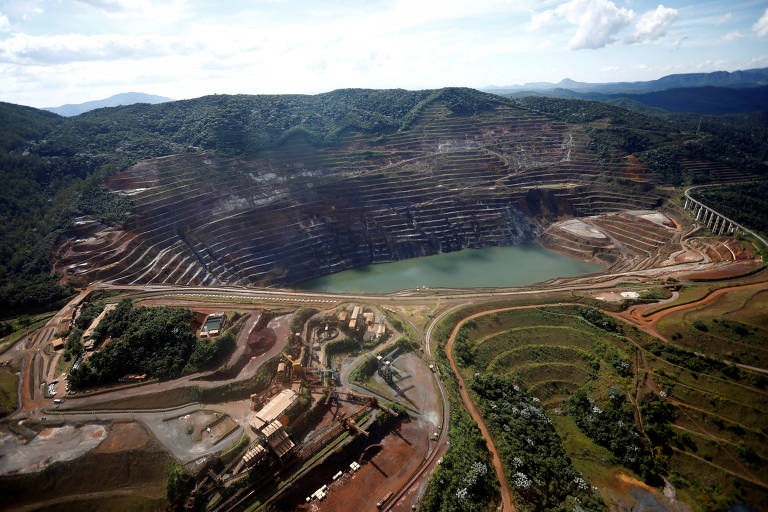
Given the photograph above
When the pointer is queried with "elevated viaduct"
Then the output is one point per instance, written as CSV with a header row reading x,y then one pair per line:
x,y
714,220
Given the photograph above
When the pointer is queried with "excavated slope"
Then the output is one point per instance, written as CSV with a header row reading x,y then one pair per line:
x,y
299,211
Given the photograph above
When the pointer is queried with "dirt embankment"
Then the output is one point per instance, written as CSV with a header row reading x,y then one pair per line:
x,y
257,340
128,466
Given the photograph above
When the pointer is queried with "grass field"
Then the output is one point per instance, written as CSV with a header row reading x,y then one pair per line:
x,y
593,461
9,397
688,294
550,351
720,452
732,326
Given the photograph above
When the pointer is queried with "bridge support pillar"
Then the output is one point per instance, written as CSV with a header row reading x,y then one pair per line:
x,y
687,201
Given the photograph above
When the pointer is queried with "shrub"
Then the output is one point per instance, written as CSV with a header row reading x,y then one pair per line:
x,y
698,324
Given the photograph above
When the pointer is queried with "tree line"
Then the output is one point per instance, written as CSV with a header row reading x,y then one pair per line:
x,y
157,341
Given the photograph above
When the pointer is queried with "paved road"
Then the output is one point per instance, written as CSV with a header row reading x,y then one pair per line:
x,y
424,295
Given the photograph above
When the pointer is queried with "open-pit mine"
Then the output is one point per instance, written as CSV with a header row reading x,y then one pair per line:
x,y
194,370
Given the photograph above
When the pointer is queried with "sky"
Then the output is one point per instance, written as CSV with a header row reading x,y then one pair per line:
x,y
70,51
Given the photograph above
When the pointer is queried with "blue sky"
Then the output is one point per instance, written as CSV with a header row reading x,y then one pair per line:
x,y
69,51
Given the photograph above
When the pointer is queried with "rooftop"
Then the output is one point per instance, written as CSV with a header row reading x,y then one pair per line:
x,y
274,409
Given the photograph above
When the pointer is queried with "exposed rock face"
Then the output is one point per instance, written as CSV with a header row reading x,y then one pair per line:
x,y
298,212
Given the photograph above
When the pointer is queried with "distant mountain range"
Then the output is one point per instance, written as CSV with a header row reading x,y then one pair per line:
x,y
126,98
744,78
715,93
700,100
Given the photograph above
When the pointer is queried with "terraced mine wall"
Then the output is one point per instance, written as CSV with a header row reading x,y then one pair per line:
x,y
449,182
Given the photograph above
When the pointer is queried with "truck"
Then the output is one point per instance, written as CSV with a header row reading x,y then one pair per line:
x,y
383,501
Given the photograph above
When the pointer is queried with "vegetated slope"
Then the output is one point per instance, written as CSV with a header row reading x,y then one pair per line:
x,y
745,203
684,149
463,173
674,409
699,100
125,98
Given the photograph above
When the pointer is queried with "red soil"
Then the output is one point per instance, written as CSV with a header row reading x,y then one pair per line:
x,y
387,470
123,437
723,273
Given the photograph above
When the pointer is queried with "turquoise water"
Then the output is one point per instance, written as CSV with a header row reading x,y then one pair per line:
x,y
471,268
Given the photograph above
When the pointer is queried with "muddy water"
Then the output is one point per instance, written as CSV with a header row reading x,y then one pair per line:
x,y
471,268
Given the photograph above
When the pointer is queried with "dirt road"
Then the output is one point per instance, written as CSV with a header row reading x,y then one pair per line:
x,y
506,495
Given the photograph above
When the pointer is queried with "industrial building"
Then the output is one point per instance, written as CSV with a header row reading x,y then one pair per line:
x,y
353,318
277,439
274,409
254,455
212,325
374,331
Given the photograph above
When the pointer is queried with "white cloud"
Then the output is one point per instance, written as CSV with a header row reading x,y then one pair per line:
x,y
5,25
732,36
761,26
725,18
541,19
26,49
167,10
712,64
759,62
108,5
609,69
36,11
678,42
597,21
653,24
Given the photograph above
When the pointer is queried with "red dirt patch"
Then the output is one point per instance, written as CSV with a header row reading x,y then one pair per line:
x,y
388,469
634,170
723,273
123,437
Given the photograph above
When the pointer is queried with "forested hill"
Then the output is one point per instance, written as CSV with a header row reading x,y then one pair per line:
x,y
52,166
